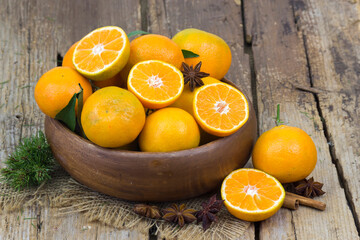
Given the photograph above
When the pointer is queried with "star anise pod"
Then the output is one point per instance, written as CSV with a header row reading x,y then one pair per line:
x,y
209,209
193,75
309,188
147,211
179,214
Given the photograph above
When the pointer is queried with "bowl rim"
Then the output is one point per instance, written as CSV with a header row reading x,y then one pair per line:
x,y
198,148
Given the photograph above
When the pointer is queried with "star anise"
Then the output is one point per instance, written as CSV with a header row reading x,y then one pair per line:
x,y
309,188
179,214
193,75
147,211
209,209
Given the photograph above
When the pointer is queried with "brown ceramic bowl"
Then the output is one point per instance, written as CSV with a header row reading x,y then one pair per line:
x,y
152,177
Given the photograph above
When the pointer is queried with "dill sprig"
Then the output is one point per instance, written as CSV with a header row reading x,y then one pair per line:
x,y
30,164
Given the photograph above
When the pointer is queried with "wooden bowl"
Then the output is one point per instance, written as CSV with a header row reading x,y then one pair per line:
x,y
151,177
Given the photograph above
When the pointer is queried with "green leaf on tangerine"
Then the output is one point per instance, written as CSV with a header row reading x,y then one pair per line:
x,y
137,33
67,114
189,54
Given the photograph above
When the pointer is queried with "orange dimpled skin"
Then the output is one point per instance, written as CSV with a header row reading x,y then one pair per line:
x,y
169,129
67,60
213,51
285,152
112,117
55,88
153,47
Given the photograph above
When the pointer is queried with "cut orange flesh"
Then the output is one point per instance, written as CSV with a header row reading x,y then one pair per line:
x,y
102,53
220,109
157,84
252,195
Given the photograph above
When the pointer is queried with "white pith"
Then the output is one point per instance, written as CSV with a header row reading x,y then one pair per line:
x,y
155,82
98,49
222,107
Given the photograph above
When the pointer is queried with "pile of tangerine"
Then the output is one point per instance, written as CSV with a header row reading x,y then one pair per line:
x,y
146,75
151,73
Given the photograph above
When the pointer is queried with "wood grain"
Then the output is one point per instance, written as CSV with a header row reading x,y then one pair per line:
x,y
331,33
280,61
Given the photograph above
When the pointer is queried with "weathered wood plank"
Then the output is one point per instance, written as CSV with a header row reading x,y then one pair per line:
x,y
331,32
280,63
32,33
222,18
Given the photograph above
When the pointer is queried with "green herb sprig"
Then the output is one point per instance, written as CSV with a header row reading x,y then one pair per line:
x,y
30,164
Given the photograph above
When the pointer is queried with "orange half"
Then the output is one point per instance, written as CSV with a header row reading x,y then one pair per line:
x,y
157,84
102,53
252,195
220,109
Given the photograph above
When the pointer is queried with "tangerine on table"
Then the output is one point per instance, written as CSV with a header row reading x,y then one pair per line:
x,y
157,84
56,87
153,47
287,153
169,129
112,117
252,195
220,109
213,51
102,53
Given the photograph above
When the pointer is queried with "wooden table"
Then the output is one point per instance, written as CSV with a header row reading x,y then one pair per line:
x,y
303,54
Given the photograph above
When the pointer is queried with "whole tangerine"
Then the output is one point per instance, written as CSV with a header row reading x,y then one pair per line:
x,y
213,51
285,152
56,87
112,117
169,129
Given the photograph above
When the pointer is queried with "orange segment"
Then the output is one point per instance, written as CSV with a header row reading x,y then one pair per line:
x,y
252,195
102,53
157,84
220,109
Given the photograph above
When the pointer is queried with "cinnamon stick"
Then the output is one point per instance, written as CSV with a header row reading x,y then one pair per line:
x,y
292,201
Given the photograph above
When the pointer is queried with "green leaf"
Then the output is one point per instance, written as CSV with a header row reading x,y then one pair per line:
x,y
79,96
67,114
137,33
189,54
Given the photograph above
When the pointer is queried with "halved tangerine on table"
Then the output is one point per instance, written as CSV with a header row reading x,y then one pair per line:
x,y
252,195
157,84
102,53
220,109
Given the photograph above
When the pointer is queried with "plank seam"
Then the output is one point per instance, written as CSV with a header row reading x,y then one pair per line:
x,y
143,15
248,50
328,137
293,225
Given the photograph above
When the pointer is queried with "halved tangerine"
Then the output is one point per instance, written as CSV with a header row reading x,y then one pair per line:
x,y
220,109
102,53
157,84
252,195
